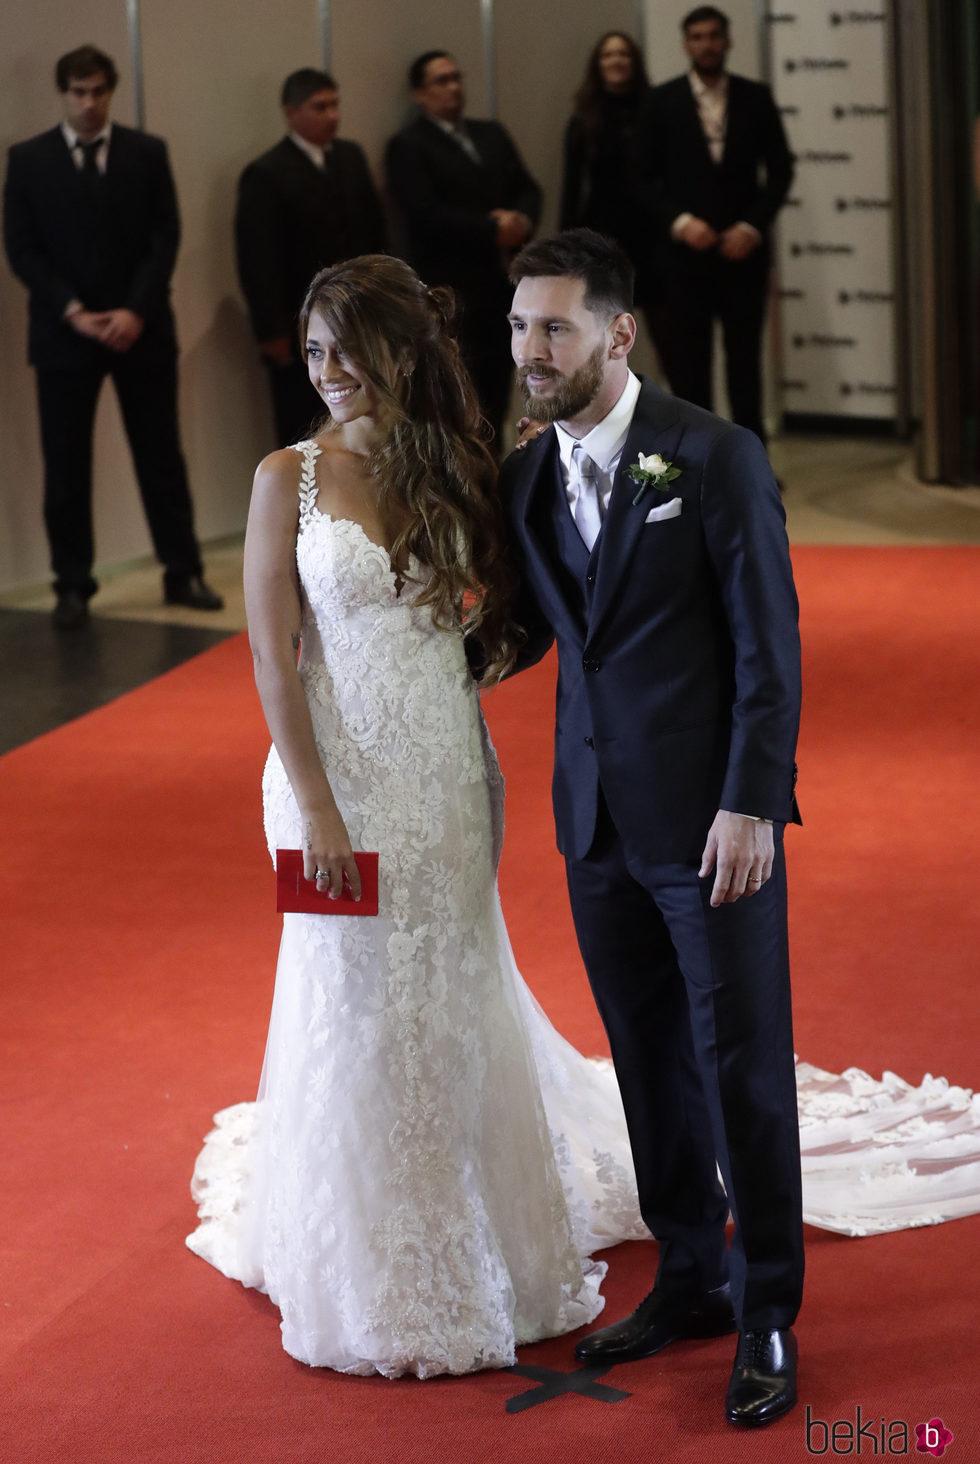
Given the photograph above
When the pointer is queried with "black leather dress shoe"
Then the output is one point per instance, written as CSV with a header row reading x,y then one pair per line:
x,y
71,611
192,592
763,1385
660,1319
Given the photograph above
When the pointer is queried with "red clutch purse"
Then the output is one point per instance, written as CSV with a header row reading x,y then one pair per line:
x,y
297,895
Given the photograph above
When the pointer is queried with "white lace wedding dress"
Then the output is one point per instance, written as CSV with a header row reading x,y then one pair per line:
x,y
429,1165
396,1189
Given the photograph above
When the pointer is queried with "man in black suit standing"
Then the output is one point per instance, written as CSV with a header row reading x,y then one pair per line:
x,y
650,542
91,227
306,203
702,141
468,203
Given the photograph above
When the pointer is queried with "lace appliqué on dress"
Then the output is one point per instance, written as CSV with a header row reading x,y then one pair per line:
x,y
395,1189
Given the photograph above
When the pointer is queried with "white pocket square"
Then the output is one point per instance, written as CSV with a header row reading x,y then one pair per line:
x,y
664,511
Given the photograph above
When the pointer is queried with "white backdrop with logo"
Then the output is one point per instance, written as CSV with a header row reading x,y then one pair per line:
x,y
829,70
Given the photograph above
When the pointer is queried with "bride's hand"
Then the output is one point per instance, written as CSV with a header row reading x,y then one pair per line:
x,y
528,430
327,854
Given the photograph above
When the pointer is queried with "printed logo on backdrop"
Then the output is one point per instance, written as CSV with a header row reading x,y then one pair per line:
x,y
868,388
814,339
820,250
865,297
830,86
857,17
874,205
859,110
817,63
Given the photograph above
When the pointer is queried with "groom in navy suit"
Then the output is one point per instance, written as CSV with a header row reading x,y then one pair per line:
x,y
671,598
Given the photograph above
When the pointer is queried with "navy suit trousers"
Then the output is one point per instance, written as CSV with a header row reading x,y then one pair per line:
x,y
696,1004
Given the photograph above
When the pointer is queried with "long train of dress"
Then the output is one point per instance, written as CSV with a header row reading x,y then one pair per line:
x,y
877,1156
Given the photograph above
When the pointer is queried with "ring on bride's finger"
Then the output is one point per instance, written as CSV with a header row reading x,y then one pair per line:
x,y
754,881
322,874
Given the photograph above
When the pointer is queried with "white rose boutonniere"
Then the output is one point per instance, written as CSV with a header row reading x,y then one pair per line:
x,y
651,471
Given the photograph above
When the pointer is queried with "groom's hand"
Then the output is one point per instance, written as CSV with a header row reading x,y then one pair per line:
x,y
740,850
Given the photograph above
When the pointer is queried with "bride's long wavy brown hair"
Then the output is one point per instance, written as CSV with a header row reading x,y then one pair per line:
x,y
434,471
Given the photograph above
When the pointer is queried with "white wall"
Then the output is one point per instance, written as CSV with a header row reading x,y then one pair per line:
x,y
212,73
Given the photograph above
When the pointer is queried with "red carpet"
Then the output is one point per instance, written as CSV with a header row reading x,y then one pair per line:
x,y
139,948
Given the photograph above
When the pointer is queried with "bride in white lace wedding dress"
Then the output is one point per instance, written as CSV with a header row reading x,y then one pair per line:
x,y
430,1166
397,1189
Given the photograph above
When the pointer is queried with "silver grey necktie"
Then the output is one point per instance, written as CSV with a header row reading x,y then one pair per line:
x,y
587,512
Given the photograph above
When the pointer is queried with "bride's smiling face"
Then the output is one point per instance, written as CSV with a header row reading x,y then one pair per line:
x,y
341,382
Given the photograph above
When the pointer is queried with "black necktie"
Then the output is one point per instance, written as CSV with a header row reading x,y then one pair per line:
x,y
89,150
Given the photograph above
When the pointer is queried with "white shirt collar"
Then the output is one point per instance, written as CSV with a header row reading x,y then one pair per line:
x,y
604,443
451,129
316,155
716,95
73,140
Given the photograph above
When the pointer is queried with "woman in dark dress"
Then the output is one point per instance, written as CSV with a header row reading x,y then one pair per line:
x,y
599,173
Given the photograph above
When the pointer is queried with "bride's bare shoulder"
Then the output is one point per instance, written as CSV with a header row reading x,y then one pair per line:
x,y
279,471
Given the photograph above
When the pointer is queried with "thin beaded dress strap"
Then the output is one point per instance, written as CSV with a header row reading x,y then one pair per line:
x,y
307,481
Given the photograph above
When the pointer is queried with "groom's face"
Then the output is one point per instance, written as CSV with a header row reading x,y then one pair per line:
x,y
561,348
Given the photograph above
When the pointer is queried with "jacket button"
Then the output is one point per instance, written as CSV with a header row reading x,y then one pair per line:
x,y
589,742
590,665
590,578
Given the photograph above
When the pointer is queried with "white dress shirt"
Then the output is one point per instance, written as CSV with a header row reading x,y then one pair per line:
x,y
75,144
604,444
316,155
712,105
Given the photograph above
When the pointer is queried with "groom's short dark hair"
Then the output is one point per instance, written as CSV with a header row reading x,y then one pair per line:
x,y
584,255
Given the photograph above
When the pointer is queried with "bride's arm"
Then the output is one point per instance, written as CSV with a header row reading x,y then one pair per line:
x,y
272,605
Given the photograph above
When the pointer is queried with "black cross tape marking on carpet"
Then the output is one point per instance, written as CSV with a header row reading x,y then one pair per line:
x,y
552,1384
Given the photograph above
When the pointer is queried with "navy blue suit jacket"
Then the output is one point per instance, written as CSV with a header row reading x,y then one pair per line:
x,y
679,691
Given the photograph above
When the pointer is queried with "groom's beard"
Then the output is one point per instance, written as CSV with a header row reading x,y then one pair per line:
x,y
571,397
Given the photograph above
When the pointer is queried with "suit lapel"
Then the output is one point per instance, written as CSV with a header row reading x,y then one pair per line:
x,y
733,113
64,163
442,143
689,106
534,498
655,428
